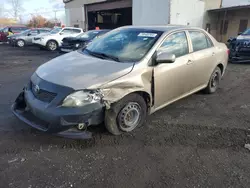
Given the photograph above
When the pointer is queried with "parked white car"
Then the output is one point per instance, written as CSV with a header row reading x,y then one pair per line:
x,y
53,40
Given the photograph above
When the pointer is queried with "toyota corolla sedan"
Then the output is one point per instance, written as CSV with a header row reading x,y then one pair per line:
x,y
121,78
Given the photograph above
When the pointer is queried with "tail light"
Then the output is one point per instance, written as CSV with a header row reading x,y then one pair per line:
x,y
228,51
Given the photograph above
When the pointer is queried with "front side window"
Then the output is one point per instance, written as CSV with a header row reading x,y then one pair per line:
x,y
55,31
76,30
199,41
127,44
34,32
176,44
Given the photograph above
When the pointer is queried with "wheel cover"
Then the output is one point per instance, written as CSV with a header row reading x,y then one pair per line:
x,y
129,117
20,43
52,46
215,80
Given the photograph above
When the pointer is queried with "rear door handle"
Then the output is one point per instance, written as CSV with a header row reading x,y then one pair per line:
x,y
189,62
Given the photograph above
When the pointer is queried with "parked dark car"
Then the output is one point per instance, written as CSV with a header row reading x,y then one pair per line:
x,y
240,47
15,30
25,38
73,43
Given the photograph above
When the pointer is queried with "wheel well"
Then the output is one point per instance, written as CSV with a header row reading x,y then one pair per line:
x,y
146,97
53,41
221,68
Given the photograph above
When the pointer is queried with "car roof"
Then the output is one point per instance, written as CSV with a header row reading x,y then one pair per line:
x,y
164,28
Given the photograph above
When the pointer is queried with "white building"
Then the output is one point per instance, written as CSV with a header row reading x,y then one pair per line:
x,y
89,14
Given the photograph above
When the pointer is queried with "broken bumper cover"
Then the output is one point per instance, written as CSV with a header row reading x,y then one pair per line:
x,y
59,120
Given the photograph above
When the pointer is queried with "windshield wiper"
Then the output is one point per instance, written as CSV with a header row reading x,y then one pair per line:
x,y
103,55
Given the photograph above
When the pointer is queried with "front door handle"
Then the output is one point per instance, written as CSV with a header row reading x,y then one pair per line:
x,y
189,62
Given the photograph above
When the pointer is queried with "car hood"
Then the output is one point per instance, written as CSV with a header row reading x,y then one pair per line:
x,y
79,71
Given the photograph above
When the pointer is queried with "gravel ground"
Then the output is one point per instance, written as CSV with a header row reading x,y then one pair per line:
x,y
196,142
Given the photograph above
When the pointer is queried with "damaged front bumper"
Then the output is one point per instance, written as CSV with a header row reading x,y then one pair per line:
x,y
57,120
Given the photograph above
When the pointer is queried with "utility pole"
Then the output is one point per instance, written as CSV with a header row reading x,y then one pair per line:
x,y
55,17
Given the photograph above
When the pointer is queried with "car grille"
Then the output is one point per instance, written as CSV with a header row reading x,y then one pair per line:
x,y
43,95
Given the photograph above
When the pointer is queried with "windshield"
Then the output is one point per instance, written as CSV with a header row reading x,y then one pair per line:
x,y
55,31
127,44
247,32
88,35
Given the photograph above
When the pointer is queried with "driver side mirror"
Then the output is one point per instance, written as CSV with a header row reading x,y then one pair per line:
x,y
164,57
61,33
29,34
240,33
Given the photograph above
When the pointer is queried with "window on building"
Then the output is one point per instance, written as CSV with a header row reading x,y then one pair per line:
x,y
176,44
243,25
223,27
76,25
199,41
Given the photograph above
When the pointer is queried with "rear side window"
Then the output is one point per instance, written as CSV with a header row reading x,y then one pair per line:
x,y
176,44
67,31
34,32
18,29
200,41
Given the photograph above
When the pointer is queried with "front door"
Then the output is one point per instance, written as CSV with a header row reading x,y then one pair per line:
x,y
31,35
172,79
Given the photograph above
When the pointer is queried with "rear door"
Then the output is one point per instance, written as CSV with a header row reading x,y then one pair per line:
x,y
204,58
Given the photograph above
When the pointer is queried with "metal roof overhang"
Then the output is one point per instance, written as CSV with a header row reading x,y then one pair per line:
x,y
229,8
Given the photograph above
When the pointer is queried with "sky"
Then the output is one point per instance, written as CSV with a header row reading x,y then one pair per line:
x,y
228,3
45,8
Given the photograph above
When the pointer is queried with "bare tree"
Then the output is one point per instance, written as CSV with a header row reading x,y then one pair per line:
x,y
16,8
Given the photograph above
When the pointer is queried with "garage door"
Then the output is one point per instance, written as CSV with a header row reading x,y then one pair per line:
x,y
109,5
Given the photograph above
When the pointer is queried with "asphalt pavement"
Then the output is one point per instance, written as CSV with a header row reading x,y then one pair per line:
x,y
196,142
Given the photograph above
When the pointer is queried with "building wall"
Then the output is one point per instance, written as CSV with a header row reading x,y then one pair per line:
x,y
233,17
187,13
75,14
148,12
208,18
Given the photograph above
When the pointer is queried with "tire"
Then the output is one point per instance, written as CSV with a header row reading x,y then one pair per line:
x,y
20,43
213,81
116,120
52,45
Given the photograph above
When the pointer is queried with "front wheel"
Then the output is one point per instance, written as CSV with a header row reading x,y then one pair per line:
x,y
126,114
20,43
52,45
213,81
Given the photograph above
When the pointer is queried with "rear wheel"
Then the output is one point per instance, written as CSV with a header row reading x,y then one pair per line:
x,y
52,45
213,82
126,115
20,43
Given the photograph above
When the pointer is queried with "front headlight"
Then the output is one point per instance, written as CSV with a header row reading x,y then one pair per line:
x,y
81,98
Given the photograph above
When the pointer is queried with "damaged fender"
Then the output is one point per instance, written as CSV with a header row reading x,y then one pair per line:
x,y
136,81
